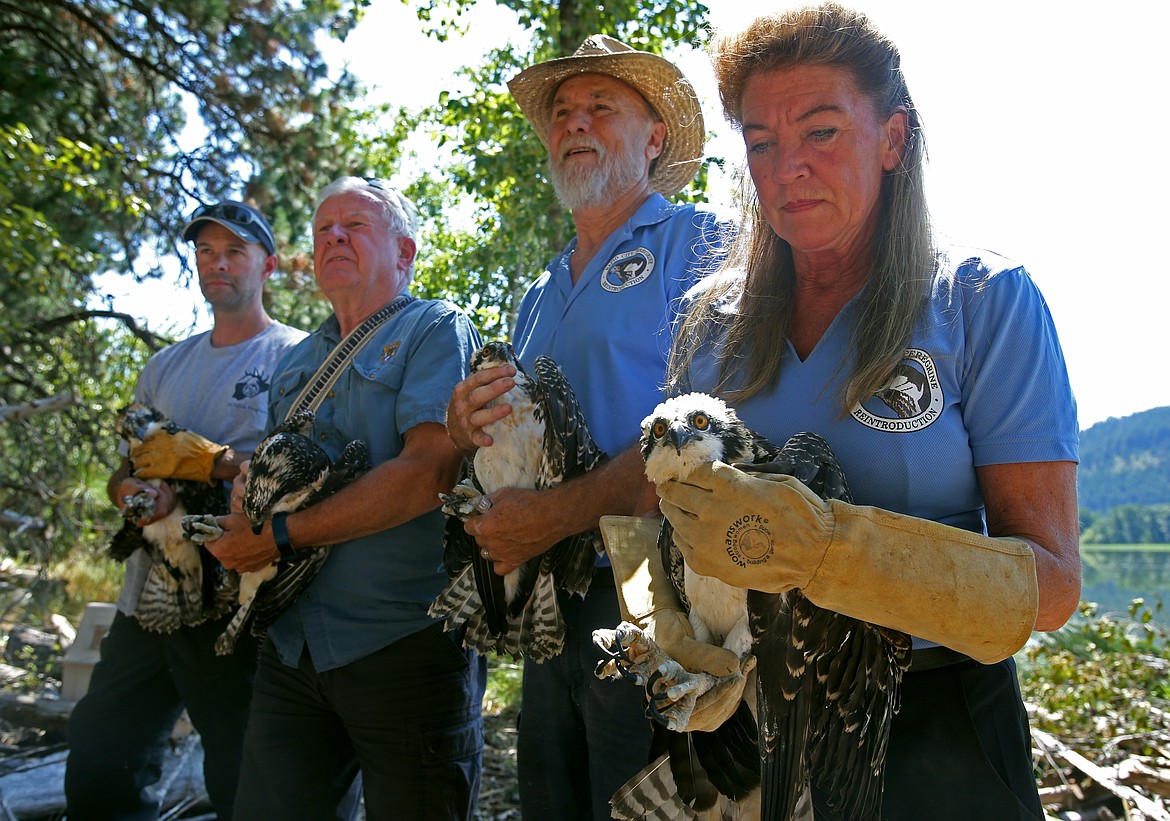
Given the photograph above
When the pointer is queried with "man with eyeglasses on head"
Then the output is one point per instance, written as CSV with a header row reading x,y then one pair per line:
x,y
215,386
355,676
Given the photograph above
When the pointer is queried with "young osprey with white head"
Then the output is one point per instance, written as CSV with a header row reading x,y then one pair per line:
x,y
826,685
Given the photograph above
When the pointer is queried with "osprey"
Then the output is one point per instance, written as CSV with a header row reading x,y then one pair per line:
x,y
826,685
541,443
185,585
288,471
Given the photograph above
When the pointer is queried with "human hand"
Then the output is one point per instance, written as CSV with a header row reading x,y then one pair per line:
x,y
467,412
699,685
729,524
239,548
519,525
719,703
647,599
180,455
681,698
238,484
161,496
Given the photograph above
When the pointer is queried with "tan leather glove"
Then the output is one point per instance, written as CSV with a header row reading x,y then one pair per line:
x,y
647,599
970,592
181,455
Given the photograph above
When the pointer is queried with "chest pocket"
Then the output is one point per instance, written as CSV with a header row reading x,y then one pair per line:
x,y
369,409
386,375
286,387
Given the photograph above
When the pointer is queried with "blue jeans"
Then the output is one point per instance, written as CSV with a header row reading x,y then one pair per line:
x,y
118,731
408,717
580,738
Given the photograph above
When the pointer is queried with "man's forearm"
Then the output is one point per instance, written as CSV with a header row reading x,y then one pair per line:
x,y
615,488
227,464
428,465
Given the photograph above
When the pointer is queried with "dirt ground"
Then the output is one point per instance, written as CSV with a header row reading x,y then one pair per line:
x,y
499,797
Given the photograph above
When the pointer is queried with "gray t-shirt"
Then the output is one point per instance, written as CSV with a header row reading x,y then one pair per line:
x,y
219,393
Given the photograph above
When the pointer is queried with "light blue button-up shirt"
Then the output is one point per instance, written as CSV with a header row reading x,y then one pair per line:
x,y
610,333
375,590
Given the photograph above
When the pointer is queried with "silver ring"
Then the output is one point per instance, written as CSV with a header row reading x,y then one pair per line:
x,y
483,505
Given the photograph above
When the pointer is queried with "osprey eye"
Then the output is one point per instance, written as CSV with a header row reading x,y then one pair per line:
x,y
700,421
659,428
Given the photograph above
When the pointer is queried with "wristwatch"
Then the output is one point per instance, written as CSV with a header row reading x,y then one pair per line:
x,y
280,536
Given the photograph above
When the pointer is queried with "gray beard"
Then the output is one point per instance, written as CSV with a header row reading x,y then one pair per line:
x,y
579,188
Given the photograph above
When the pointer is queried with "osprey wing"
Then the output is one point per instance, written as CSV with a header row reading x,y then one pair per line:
x,y
128,539
291,579
672,561
476,595
569,448
827,684
289,472
351,464
809,458
569,451
220,585
490,586
861,666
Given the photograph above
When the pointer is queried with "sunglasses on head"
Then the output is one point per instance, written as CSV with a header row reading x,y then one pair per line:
x,y
228,211
379,183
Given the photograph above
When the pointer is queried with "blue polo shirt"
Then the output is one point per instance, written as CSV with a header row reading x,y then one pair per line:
x,y
375,590
983,382
610,333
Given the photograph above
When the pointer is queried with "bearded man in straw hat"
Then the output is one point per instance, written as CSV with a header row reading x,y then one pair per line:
x,y
624,131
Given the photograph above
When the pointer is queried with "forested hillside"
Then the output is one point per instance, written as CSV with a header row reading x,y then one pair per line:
x,y
1124,479
1126,461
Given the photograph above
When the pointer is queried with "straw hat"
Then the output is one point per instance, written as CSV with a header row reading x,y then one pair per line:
x,y
656,79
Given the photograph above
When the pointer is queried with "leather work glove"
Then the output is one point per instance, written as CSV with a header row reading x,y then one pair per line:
x,y
973,593
180,455
647,599
727,524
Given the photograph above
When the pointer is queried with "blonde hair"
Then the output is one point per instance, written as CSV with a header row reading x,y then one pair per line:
x,y
752,295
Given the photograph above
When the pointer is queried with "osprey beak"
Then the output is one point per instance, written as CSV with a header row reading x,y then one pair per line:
x,y
679,435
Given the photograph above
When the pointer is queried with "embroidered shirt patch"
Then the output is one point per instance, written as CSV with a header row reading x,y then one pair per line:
x,y
627,269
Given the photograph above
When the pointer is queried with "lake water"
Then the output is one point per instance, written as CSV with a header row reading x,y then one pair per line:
x,y
1115,576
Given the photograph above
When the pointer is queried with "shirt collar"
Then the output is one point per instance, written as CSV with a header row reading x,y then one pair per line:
x,y
654,210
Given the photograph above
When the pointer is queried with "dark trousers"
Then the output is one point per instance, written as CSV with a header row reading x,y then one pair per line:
x,y
408,717
580,738
960,748
118,731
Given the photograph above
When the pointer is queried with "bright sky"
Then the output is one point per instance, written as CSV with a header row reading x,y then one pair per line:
x,y
1042,126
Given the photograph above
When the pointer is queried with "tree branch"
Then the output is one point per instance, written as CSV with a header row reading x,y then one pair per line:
x,y
12,520
149,338
10,413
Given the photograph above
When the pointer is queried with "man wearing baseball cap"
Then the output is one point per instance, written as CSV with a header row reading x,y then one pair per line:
x,y
624,131
238,217
214,385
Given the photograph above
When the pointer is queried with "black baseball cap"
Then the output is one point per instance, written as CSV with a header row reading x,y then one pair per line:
x,y
238,217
